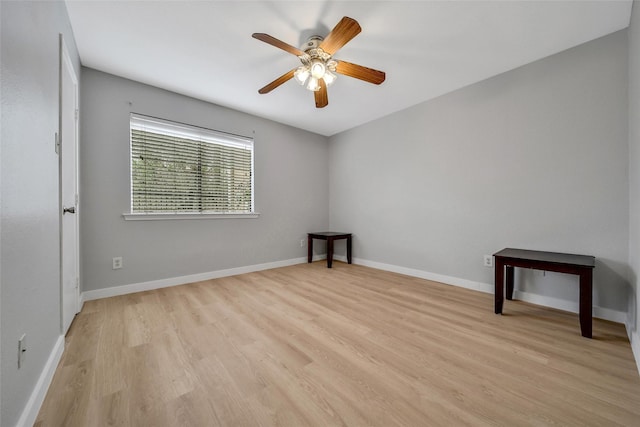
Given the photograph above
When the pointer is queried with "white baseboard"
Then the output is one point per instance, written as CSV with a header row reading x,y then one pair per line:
x,y
571,306
181,280
634,339
635,347
30,412
609,314
449,280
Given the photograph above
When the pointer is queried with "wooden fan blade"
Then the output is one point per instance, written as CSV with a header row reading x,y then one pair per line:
x,y
277,43
277,82
359,72
322,100
346,29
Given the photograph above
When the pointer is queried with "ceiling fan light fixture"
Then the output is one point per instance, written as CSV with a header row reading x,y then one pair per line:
x,y
329,77
318,68
302,74
313,84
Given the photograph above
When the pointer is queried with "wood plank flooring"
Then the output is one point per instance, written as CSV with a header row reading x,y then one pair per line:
x,y
311,346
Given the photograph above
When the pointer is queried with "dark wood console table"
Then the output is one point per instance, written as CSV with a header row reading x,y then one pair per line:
x,y
329,236
582,265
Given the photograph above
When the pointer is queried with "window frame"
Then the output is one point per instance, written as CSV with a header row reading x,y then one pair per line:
x,y
189,132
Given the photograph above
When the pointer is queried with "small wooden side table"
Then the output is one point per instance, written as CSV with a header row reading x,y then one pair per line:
x,y
329,236
581,265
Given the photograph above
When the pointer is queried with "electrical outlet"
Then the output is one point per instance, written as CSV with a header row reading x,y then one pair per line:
x,y
117,263
22,350
302,243
488,261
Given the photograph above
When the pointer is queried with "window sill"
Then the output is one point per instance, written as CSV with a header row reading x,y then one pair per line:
x,y
190,215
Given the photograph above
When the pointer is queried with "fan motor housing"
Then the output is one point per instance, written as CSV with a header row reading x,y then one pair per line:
x,y
312,43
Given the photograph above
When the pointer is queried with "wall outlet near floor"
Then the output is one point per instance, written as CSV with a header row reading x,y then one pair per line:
x,y
117,263
22,350
488,261
302,243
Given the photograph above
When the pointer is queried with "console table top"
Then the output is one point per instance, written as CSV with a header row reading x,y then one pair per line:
x,y
554,257
329,234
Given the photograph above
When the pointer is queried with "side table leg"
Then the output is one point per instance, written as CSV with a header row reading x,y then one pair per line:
x,y
329,252
499,285
349,249
509,280
309,248
586,296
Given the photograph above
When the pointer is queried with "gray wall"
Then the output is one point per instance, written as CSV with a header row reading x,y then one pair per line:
x,y
291,190
633,324
533,158
29,241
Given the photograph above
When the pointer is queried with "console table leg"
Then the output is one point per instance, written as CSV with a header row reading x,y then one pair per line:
x,y
349,249
309,249
586,296
329,252
499,285
509,280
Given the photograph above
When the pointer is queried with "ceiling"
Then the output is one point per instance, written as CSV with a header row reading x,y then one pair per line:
x,y
204,49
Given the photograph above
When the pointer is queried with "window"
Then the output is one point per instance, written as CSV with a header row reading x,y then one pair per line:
x,y
181,169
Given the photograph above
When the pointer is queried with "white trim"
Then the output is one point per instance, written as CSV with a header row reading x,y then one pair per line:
x,y
449,280
173,216
181,280
609,314
30,412
634,338
81,302
571,306
560,304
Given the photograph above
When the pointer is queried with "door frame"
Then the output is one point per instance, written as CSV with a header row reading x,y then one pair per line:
x,y
65,58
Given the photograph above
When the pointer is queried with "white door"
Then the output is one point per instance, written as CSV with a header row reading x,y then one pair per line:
x,y
69,242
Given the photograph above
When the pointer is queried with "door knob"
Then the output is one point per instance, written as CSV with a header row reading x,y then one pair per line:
x,y
72,209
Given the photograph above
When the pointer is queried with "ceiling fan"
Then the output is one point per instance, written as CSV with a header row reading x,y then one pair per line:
x,y
318,66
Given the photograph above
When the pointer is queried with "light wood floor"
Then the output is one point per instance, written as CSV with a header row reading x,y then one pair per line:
x,y
306,346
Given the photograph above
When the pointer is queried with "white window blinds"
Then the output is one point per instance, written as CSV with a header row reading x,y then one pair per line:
x,y
177,168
